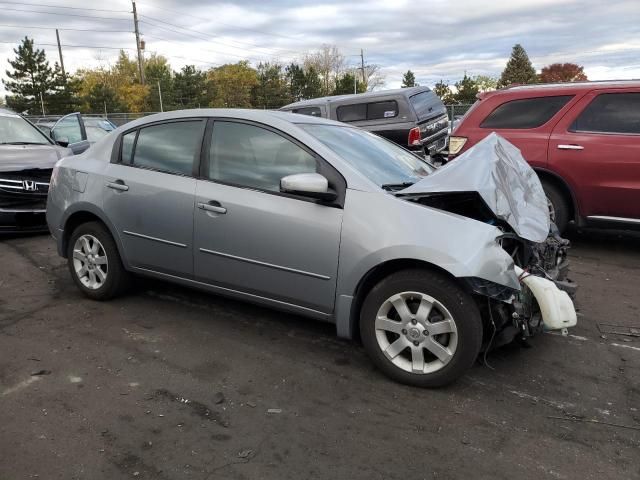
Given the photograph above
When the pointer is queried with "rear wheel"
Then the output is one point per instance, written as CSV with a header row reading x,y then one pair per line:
x,y
94,262
420,328
558,206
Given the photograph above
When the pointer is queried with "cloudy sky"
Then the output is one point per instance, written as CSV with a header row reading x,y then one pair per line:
x,y
436,39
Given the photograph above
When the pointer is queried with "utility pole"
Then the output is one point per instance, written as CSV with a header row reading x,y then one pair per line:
x,y
160,96
137,31
364,78
64,75
42,103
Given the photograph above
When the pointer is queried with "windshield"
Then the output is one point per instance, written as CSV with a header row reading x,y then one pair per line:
x,y
380,160
15,130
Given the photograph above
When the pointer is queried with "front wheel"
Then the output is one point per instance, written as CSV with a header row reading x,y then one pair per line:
x,y
558,207
420,328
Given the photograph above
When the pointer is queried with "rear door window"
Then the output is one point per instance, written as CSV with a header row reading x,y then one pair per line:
x,y
169,147
525,113
610,113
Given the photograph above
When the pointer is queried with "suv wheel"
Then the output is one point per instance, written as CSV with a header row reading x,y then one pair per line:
x,y
558,208
420,328
94,262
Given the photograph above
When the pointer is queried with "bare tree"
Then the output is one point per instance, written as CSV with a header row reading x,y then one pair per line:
x,y
375,78
329,63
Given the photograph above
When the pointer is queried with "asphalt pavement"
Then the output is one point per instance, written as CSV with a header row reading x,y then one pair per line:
x,y
168,383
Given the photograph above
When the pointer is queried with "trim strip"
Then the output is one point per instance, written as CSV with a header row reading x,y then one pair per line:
x,y
211,286
264,264
614,219
22,210
147,237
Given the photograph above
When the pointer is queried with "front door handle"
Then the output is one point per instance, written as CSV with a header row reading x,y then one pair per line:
x,y
570,147
212,206
117,185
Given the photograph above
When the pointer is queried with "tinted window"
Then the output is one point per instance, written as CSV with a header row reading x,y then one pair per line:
x,y
127,146
171,147
610,113
526,113
352,113
68,128
378,159
425,103
377,110
254,157
312,111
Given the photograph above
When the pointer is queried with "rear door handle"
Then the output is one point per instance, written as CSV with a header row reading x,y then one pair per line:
x,y
212,206
570,147
117,185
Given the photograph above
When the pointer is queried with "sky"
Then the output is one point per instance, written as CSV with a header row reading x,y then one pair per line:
x,y
436,39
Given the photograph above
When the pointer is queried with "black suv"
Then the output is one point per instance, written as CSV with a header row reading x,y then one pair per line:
x,y
412,117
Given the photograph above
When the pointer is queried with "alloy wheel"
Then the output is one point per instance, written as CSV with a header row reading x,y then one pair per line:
x,y
90,262
416,332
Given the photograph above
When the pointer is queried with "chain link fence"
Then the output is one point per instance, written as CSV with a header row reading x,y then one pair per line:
x,y
455,112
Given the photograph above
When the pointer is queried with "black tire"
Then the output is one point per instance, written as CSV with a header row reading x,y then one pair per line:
x,y
117,278
460,305
559,205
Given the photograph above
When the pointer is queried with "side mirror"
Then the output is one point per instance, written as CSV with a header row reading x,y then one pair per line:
x,y
311,185
63,142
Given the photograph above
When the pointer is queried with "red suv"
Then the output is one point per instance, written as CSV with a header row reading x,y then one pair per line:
x,y
583,140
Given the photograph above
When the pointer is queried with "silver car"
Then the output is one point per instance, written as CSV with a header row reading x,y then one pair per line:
x,y
428,267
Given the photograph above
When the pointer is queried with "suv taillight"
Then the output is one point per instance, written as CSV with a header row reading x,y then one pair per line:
x,y
414,137
456,144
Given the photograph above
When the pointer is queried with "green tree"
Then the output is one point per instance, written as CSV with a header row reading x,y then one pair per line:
x,y
31,77
157,71
346,83
485,83
296,80
190,87
64,96
466,90
409,80
519,69
313,87
102,98
271,90
443,90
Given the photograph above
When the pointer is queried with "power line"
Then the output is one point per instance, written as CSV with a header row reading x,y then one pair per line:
x,y
65,14
56,6
65,29
209,36
98,47
221,23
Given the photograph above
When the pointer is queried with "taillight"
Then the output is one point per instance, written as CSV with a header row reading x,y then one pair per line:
x,y
456,144
414,137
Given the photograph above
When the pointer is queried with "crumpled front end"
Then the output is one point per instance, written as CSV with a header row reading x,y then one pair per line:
x,y
493,184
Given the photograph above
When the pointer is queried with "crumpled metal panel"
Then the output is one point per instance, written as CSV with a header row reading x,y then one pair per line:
x,y
496,170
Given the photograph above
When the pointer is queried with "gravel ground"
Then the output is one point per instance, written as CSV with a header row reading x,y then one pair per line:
x,y
168,383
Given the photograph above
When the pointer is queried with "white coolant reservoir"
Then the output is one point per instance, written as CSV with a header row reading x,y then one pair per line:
x,y
556,306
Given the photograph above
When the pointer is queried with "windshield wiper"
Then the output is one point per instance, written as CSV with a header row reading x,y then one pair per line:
x,y
22,143
396,186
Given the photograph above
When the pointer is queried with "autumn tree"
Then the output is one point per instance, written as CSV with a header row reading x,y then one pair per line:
x,y
157,71
409,80
562,72
519,69
328,63
232,85
443,90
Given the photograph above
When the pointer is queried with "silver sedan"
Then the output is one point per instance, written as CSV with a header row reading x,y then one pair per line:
x,y
317,218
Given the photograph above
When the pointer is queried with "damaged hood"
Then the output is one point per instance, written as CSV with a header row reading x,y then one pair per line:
x,y
496,170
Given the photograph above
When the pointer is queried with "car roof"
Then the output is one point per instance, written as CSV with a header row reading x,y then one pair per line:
x,y
263,116
567,87
6,111
406,92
